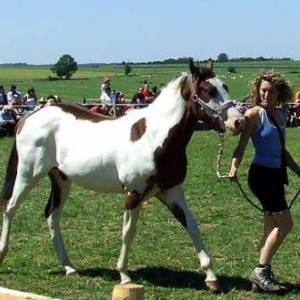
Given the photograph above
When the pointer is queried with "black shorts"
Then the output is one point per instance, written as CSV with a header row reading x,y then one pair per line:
x,y
267,185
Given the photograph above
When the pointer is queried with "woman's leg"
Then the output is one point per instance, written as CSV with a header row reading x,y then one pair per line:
x,y
276,228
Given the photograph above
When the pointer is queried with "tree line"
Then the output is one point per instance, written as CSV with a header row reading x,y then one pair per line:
x,y
66,66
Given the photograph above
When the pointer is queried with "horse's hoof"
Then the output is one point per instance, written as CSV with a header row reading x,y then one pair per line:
x,y
125,281
72,273
214,286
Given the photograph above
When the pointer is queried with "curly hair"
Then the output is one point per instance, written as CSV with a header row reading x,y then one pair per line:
x,y
285,92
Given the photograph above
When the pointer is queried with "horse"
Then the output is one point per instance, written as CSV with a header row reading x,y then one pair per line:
x,y
69,143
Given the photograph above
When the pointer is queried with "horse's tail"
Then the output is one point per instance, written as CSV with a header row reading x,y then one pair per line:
x,y
10,176
54,197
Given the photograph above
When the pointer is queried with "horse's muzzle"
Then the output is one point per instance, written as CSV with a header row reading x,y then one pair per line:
x,y
237,126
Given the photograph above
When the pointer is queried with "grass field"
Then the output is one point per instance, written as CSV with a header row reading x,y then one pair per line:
x,y
86,82
162,257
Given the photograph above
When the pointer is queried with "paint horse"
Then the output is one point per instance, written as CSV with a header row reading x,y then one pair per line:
x,y
142,154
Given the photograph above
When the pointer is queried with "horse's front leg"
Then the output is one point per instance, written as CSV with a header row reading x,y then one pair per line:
x,y
60,188
176,202
128,233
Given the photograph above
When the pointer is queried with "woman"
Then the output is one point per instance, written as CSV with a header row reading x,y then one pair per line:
x,y
265,125
30,99
105,91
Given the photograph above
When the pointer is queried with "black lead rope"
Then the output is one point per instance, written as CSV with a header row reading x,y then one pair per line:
x,y
283,167
283,151
221,136
248,199
283,156
259,208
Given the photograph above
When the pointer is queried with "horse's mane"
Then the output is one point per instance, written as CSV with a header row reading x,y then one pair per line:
x,y
82,113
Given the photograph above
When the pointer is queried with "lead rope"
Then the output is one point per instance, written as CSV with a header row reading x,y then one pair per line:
x,y
218,165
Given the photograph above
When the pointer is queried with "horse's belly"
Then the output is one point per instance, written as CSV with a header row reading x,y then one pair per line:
x,y
99,184
99,178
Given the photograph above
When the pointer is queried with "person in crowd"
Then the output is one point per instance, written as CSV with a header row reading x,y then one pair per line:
x,y
294,114
122,105
105,91
53,99
297,95
265,125
242,106
3,96
149,96
49,100
155,91
100,109
14,97
138,99
121,98
113,96
8,121
30,99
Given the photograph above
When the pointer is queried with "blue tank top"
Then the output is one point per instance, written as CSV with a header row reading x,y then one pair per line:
x,y
267,143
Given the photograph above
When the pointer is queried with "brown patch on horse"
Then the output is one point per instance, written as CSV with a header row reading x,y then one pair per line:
x,y
82,113
54,198
132,200
20,126
170,159
138,129
10,177
178,214
202,87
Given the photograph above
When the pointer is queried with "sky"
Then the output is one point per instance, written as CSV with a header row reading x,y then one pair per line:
x,y
101,31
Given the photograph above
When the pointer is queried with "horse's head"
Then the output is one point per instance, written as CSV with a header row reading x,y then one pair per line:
x,y
209,100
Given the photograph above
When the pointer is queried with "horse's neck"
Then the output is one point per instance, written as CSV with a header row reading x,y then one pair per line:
x,y
170,111
169,103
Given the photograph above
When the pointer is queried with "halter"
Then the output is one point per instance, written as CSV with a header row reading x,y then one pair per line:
x,y
214,113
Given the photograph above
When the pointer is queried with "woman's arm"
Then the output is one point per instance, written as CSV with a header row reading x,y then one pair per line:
x,y
252,121
291,163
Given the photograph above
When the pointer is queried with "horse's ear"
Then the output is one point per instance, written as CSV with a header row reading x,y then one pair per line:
x,y
210,64
193,69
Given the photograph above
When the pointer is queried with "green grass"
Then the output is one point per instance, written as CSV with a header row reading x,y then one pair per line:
x,y
162,257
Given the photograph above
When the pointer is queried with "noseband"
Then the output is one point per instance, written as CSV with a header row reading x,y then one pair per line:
x,y
214,113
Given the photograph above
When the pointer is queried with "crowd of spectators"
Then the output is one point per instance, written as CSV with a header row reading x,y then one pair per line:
x,y
112,101
292,111
13,105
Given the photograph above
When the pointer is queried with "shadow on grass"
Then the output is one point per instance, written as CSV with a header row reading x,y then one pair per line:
x,y
165,277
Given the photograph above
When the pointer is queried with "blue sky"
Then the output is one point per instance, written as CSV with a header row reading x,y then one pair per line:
x,y
39,32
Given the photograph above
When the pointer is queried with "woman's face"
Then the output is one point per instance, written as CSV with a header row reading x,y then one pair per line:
x,y
268,93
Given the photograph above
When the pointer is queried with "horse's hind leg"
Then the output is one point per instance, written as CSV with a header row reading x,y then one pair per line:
x,y
16,187
60,189
176,202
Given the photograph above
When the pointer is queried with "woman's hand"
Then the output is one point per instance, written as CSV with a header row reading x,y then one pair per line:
x,y
232,175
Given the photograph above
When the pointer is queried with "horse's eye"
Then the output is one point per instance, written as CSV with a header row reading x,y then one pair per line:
x,y
225,87
212,92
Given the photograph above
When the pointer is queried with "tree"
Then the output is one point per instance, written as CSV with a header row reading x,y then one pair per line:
x,y
127,69
222,57
231,69
66,67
